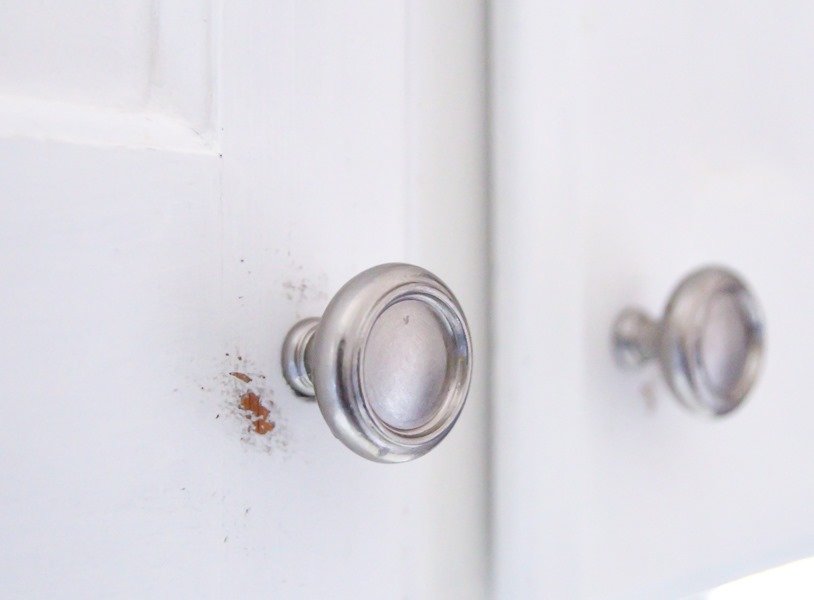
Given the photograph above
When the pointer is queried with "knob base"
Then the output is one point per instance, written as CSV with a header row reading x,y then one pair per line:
x,y
635,338
295,357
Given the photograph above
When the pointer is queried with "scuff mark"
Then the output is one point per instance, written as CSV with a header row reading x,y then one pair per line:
x,y
649,395
305,289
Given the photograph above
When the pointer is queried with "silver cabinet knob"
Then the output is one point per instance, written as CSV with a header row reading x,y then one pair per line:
x,y
389,362
709,343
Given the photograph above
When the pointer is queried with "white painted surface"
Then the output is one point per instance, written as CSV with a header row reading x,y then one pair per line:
x,y
139,272
634,142
793,581
126,73
70,50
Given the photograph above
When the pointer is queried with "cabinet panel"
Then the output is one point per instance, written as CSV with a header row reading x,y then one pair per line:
x,y
127,73
145,284
635,143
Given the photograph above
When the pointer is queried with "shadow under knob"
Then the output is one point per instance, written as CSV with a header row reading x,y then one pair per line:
x,y
389,362
709,343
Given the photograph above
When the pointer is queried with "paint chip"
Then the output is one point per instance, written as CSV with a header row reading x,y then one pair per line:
x,y
242,376
262,426
250,402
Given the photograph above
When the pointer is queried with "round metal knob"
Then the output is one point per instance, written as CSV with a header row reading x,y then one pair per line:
x,y
709,342
389,362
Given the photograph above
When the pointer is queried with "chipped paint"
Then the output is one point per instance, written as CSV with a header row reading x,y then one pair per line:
x,y
257,413
244,405
242,376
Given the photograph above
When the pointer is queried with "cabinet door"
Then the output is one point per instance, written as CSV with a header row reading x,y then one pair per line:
x,y
181,182
635,141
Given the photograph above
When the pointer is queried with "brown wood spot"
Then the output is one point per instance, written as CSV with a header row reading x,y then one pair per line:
x,y
263,426
242,376
257,413
251,403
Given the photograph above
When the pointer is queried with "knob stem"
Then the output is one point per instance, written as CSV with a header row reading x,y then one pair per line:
x,y
295,357
635,338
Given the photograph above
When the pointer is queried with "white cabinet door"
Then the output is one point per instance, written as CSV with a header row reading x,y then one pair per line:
x,y
181,182
635,141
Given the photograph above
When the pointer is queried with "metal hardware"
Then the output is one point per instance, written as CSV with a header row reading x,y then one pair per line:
x,y
709,343
389,362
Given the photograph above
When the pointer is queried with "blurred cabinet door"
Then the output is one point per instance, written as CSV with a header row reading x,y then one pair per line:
x,y
182,181
636,141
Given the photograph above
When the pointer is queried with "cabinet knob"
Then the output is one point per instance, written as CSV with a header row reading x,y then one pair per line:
x,y
709,343
389,362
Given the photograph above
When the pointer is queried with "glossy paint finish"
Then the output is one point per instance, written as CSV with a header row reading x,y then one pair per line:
x,y
153,257
633,142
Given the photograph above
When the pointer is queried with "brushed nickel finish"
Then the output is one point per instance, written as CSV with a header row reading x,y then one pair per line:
x,y
389,362
709,343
